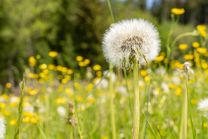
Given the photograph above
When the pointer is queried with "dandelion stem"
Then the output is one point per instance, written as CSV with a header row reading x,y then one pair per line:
x,y
192,126
136,103
148,98
112,106
185,113
130,104
20,108
76,113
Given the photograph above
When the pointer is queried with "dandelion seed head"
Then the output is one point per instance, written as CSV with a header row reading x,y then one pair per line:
x,y
61,111
203,106
2,127
135,39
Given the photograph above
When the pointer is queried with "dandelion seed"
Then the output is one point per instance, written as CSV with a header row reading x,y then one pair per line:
x,y
131,41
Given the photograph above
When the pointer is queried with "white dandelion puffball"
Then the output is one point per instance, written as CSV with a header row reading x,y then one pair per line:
x,y
203,106
128,41
2,127
61,111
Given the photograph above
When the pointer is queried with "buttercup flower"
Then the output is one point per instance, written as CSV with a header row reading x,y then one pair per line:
x,y
131,41
178,11
195,44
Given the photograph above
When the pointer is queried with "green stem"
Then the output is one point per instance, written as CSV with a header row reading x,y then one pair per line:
x,y
185,113
136,103
148,97
71,131
111,12
192,126
76,113
180,36
113,125
20,109
130,104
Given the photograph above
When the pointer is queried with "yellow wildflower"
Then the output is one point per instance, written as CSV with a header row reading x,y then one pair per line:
x,y
45,71
78,98
81,64
2,105
77,85
143,72
195,44
201,27
33,120
203,33
7,113
67,77
64,69
99,73
51,67
204,124
159,58
201,50
147,78
67,90
97,67
13,122
178,11
178,91
79,58
33,92
32,61
38,56
188,57
60,100
183,46
204,65
43,66
26,120
105,137
69,71
53,53
64,81
59,68
13,104
86,61
171,86
89,87
8,85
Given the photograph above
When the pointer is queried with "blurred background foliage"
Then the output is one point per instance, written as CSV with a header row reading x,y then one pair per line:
x,y
76,27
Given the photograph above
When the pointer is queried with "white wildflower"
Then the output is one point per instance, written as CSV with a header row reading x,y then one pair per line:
x,y
29,109
165,87
2,127
160,71
187,68
140,83
61,111
155,92
14,99
122,90
176,80
203,106
113,75
2,99
102,84
128,41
